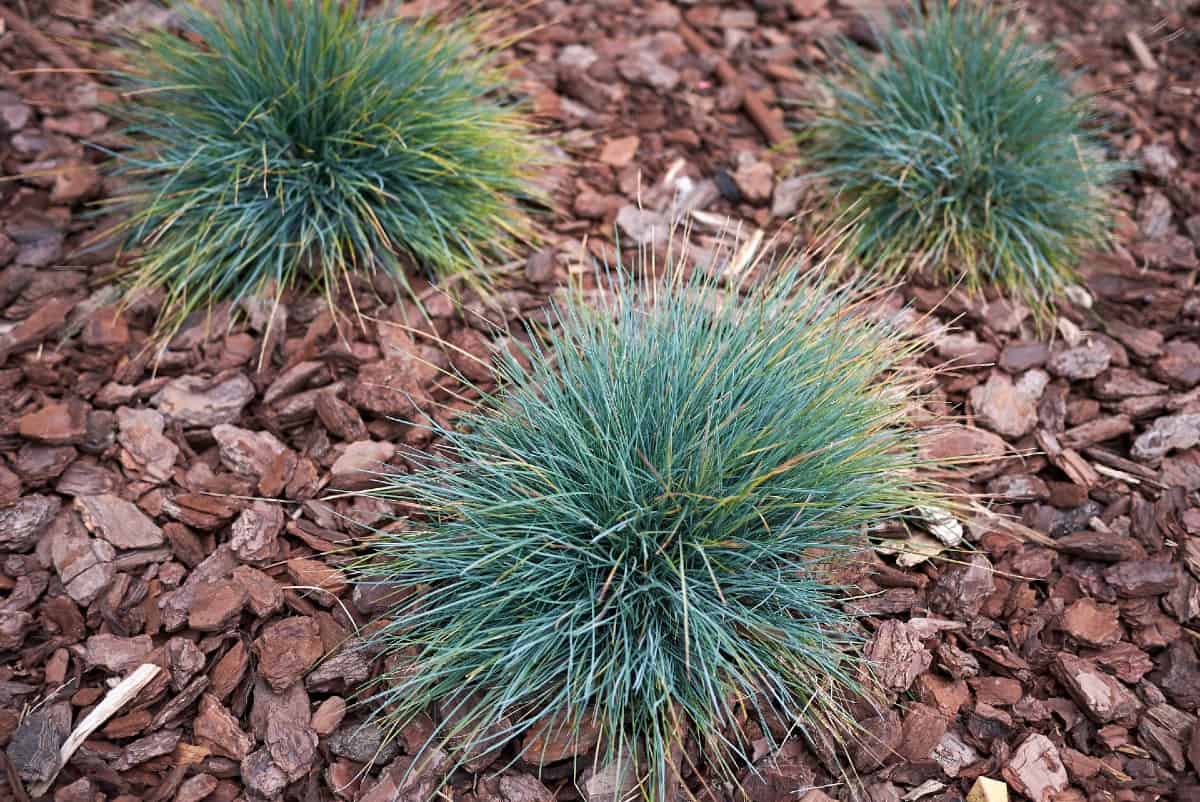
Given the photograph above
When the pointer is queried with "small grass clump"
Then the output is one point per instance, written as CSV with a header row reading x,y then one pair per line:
x,y
633,535
278,142
964,154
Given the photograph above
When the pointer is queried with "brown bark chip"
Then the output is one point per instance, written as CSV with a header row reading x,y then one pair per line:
x,y
1100,695
247,452
897,656
217,605
1035,769
961,590
117,654
253,535
316,574
1091,623
21,524
286,649
959,442
340,418
177,604
262,776
328,715
58,424
33,747
360,464
143,749
194,401
229,670
216,728
1163,730
264,596
922,730
1138,578
1108,547
118,521
84,564
1178,674
196,788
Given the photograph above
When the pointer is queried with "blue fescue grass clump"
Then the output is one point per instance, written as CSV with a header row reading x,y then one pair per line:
x,y
277,143
635,533
963,154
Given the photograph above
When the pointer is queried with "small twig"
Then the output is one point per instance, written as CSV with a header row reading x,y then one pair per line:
x,y
755,108
1141,472
1113,473
744,256
1140,51
113,701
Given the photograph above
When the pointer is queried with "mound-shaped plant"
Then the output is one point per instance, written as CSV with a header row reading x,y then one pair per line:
x,y
965,155
280,141
633,536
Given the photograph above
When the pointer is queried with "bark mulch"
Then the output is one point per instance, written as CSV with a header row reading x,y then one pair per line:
x,y
173,514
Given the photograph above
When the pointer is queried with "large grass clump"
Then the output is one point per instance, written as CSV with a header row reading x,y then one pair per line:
x,y
962,153
634,535
278,142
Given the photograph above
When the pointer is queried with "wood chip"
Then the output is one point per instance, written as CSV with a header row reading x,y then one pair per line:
x,y
113,701
986,789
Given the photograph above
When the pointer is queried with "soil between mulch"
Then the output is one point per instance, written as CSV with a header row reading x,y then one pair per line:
x,y
1060,655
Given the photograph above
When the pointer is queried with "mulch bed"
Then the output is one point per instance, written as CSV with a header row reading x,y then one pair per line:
x,y
174,514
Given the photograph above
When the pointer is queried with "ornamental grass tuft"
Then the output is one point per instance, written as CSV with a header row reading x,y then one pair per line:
x,y
635,534
281,143
964,155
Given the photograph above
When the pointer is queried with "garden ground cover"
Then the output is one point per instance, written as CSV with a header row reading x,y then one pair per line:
x,y
1060,656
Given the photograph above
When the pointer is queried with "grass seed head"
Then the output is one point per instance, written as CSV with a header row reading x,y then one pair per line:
x,y
963,154
278,143
634,536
